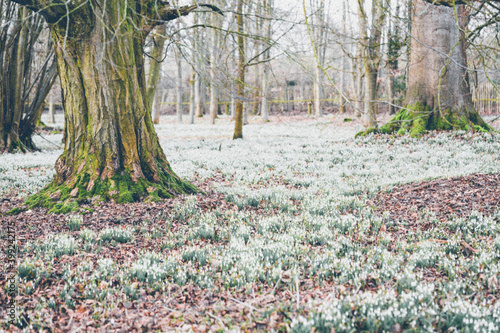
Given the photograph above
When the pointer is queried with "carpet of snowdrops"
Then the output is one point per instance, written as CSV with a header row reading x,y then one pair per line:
x,y
311,180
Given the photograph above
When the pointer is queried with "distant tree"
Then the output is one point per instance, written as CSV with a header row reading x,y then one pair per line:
x,y
240,84
343,63
438,96
27,74
266,56
111,149
395,42
214,64
153,76
317,24
179,81
370,39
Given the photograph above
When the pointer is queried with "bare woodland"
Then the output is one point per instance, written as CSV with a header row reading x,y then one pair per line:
x,y
267,165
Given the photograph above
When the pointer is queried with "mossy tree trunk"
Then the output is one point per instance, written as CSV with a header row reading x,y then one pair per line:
x,y
111,148
438,96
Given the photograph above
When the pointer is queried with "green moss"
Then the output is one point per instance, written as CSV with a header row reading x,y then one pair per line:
x,y
16,146
120,188
419,126
154,196
417,119
478,128
82,184
367,131
172,184
15,211
125,195
64,207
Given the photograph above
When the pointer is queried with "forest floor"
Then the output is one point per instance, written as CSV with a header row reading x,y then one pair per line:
x,y
301,227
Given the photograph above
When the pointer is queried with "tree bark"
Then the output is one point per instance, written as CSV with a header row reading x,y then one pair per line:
x,y
317,91
111,148
438,95
214,49
52,116
342,65
198,103
245,113
233,107
265,91
155,63
155,70
319,53
390,91
179,86
357,82
191,97
197,49
238,123
155,109
394,45
371,40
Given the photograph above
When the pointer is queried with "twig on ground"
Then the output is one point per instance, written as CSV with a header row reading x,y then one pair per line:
x,y
217,318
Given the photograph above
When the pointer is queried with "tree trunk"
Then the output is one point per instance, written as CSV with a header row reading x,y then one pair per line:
x,y
52,116
198,103
371,96
390,91
191,97
319,56
155,70
214,103
394,45
197,47
233,107
23,89
342,65
156,109
238,123
111,148
265,92
245,113
359,84
438,95
179,86
317,92
370,36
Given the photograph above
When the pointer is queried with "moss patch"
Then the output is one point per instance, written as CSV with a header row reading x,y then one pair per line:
x,y
417,119
63,198
15,211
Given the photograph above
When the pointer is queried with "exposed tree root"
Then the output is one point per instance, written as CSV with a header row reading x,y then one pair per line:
x,y
120,188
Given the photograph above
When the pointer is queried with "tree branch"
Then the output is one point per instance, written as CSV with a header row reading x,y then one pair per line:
x,y
54,11
451,3
166,13
161,13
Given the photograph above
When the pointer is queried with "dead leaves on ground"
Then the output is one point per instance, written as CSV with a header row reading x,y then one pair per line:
x,y
260,307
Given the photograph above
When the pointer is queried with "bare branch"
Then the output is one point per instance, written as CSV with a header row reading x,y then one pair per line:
x,y
451,3
168,14
164,13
